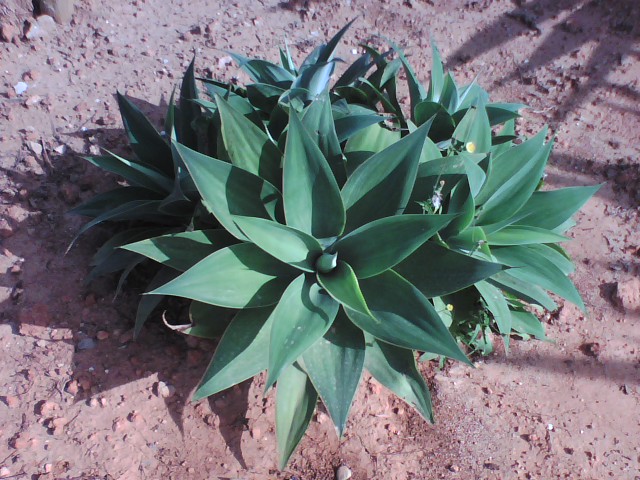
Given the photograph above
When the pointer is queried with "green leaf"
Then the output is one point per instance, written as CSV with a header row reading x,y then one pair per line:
x,y
437,74
403,317
303,316
228,190
286,60
182,250
148,303
528,324
189,110
248,147
347,127
327,51
395,368
382,185
104,202
443,125
318,122
264,96
523,289
207,321
436,270
382,244
241,353
474,128
239,276
498,307
503,112
551,209
461,204
148,145
334,365
312,199
295,403
523,235
536,268
417,92
135,174
367,142
513,177
134,210
262,71
285,243
342,284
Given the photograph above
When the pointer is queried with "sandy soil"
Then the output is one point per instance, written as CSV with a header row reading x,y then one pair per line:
x,y
81,400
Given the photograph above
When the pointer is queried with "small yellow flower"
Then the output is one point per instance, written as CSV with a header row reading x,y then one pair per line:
x,y
471,147
449,307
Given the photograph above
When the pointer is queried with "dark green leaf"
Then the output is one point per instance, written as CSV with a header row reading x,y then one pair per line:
x,y
249,147
404,317
295,403
134,173
436,270
497,305
228,190
395,368
285,243
534,267
189,110
524,290
262,71
334,365
382,185
311,196
523,235
341,283
148,303
148,145
382,244
207,321
241,353
239,276
318,122
182,251
302,317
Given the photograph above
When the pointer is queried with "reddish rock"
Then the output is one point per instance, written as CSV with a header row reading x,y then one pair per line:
x,y
627,295
72,387
6,230
9,33
46,408
10,401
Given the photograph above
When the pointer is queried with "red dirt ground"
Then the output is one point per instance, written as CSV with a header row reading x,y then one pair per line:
x,y
563,409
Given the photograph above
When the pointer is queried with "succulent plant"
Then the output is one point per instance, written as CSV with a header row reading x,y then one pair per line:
x,y
345,236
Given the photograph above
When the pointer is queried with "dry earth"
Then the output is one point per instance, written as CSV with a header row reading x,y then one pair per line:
x,y
81,400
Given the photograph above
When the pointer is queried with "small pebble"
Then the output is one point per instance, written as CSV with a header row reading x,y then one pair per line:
x,y
5,472
343,473
20,88
102,335
87,344
164,390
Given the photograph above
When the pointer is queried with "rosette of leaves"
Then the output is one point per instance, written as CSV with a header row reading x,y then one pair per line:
x,y
308,259
492,183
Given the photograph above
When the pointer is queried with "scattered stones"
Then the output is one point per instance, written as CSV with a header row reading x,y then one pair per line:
x,y
102,335
46,408
6,230
72,387
40,27
591,349
119,424
61,10
164,390
10,401
9,33
87,344
627,294
20,88
343,473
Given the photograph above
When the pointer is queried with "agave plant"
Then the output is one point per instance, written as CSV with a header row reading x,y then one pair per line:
x,y
347,236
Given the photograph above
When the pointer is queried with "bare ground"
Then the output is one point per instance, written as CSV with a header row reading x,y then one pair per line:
x,y
563,409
